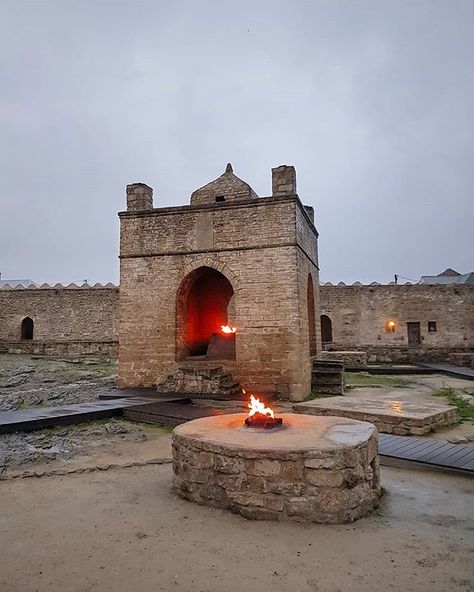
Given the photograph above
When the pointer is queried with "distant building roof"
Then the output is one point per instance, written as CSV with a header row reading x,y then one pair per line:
x,y
448,276
15,283
449,273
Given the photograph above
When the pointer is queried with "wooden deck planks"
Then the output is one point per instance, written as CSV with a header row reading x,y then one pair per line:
x,y
460,371
433,452
43,417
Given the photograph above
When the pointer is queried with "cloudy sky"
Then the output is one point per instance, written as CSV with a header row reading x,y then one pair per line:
x,y
371,101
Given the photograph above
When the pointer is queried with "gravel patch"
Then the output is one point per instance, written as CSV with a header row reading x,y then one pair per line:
x,y
63,443
32,382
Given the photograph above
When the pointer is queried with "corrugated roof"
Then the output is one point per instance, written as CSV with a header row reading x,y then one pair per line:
x,y
14,283
465,278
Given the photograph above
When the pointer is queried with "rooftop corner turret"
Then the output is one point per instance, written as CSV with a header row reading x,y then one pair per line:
x,y
283,180
139,197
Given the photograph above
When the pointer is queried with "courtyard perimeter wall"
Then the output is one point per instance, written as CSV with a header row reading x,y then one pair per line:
x,y
71,320
359,313
68,320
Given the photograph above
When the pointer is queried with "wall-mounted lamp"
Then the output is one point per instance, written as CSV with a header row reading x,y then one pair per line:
x,y
390,326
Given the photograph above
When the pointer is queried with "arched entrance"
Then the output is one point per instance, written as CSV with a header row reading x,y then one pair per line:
x,y
311,317
202,308
27,328
326,329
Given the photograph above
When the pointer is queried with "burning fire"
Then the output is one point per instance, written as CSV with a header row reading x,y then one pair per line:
x,y
257,407
260,416
228,329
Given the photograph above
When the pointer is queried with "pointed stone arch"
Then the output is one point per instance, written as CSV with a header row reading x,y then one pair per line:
x,y
203,304
326,329
27,328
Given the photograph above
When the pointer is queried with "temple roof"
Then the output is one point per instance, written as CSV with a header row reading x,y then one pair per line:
x,y
227,187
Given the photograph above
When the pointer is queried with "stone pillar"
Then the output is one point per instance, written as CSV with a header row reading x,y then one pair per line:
x,y
139,197
283,180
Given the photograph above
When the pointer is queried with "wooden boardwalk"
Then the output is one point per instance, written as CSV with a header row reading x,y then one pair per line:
x,y
168,413
458,371
437,453
37,418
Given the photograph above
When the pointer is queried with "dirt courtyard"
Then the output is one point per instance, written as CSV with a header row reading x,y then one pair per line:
x,y
123,530
89,508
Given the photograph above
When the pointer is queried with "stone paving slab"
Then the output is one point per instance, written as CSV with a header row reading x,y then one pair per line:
x,y
393,411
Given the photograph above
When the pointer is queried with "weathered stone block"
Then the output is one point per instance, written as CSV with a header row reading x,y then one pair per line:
x,y
226,464
324,478
265,468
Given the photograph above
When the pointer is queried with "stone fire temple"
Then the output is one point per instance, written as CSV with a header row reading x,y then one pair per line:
x,y
224,289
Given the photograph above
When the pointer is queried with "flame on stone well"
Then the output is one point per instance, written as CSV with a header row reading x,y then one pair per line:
x,y
228,329
257,407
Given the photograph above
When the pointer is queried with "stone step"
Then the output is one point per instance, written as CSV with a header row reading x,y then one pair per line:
x,y
328,364
327,380
205,382
230,383
326,371
208,371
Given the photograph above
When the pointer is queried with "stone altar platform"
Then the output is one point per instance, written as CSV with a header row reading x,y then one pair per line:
x,y
313,469
393,411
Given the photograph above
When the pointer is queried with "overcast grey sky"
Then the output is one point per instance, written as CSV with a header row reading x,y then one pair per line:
x,y
371,101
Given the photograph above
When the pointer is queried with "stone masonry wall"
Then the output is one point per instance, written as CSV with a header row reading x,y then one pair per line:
x,y
71,321
67,320
359,313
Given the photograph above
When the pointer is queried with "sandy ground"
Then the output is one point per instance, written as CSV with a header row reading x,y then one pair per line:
x,y
97,514
122,530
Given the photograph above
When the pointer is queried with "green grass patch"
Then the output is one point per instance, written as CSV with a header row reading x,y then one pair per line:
x,y
364,379
466,411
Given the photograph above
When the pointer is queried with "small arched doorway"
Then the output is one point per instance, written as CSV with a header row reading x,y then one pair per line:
x,y
326,329
203,305
311,317
27,328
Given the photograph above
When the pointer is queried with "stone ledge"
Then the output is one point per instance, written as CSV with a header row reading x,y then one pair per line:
x,y
404,423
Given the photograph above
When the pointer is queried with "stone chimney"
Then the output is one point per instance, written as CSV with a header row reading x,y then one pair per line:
x,y
139,197
283,180
310,212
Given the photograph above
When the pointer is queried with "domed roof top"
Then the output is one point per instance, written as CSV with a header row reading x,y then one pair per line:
x,y
227,187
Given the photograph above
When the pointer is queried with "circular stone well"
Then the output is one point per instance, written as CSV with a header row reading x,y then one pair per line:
x,y
315,469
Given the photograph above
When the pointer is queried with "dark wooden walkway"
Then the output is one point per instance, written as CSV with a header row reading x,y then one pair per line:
x,y
37,418
168,413
438,453
458,371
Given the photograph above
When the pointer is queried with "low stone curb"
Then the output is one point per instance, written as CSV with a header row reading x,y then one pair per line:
x,y
72,471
